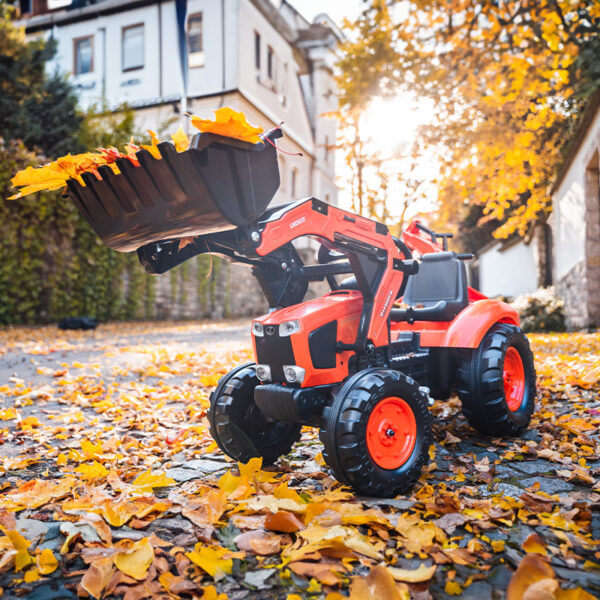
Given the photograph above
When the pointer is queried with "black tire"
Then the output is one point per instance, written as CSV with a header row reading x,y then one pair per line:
x,y
238,426
344,434
480,376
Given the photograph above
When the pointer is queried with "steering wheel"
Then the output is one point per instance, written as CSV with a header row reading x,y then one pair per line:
x,y
406,254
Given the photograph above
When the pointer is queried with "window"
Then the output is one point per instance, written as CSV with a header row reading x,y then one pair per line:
x,y
270,61
294,181
83,52
257,50
195,41
133,47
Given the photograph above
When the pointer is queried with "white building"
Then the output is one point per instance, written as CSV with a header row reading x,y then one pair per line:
x,y
576,223
252,55
517,265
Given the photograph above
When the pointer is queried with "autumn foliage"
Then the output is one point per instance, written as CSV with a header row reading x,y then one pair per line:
x,y
108,451
508,79
54,175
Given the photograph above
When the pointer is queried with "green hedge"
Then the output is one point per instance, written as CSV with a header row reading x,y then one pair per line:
x,y
53,265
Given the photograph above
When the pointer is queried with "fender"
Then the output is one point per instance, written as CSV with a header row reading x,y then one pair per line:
x,y
466,330
469,327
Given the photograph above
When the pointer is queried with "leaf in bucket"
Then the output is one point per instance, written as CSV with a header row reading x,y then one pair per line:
x,y
229,123
153,147
54,175
180,139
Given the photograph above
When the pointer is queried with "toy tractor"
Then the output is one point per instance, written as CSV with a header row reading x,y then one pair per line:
x,y
351,362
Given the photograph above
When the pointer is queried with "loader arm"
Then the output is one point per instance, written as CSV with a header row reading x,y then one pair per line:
x,y
371,250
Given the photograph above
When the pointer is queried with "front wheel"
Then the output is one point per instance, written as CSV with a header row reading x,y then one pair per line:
x,y
377,433
496,382
239,427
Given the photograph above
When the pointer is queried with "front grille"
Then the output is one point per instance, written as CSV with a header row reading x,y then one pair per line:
x,y
275,351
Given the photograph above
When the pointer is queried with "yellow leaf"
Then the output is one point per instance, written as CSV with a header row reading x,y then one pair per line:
x,y
453,588
135,559
31,575
229,123
282,491
534,545
90,449
145,482
92,471
211,560
153,147
47,562
61,460
423,573
180,139
117,513
210,593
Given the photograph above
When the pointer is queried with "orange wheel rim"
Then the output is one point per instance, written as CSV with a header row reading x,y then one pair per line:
x,y
391,433
514,379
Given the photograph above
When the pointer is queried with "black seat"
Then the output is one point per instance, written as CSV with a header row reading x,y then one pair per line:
x,y
438,292
349,283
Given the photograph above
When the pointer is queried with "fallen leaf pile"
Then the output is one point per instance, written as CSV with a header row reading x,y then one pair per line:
x,y
55,175
111,487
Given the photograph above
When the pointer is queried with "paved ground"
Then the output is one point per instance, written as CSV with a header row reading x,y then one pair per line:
x,y
83,414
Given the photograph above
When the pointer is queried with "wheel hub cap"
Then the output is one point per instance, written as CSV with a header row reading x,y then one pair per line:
x,y
391,433
514,379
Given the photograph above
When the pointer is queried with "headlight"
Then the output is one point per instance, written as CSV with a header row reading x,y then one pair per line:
x,y
263,372
258,328
293,374
288,327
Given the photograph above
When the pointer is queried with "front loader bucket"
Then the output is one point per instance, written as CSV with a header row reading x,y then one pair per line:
x,y
219,183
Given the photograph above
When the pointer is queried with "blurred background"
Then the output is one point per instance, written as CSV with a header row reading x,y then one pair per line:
x,y
481,118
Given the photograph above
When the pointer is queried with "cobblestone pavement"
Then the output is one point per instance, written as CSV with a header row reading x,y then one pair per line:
x,y
137,393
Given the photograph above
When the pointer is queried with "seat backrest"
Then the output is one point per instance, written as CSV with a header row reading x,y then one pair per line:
x,y
441,276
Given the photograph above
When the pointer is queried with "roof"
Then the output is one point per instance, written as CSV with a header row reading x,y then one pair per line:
x,y
70,14
587,117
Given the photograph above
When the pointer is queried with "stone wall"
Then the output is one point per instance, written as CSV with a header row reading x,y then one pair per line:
x,y
207,287
592,240
573,290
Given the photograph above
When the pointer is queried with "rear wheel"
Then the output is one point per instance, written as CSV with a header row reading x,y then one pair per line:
x,y
377,433
239,427
496,382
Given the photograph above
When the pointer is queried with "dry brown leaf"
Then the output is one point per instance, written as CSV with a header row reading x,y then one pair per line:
x,y
283,521
326,573
377,585
97,576
532,568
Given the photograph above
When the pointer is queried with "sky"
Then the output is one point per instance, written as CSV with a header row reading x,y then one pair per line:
x,y
394,122
336,9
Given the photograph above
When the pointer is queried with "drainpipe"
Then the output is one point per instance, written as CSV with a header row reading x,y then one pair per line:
x,y
103,31
223,47
160,51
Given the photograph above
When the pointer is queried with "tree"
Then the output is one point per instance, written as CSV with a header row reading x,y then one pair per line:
x,y
51,262
381,184
508,79
37,108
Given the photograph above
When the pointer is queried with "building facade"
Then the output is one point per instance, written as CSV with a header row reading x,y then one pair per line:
x,y
576,224
252,55
516,266
260,57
